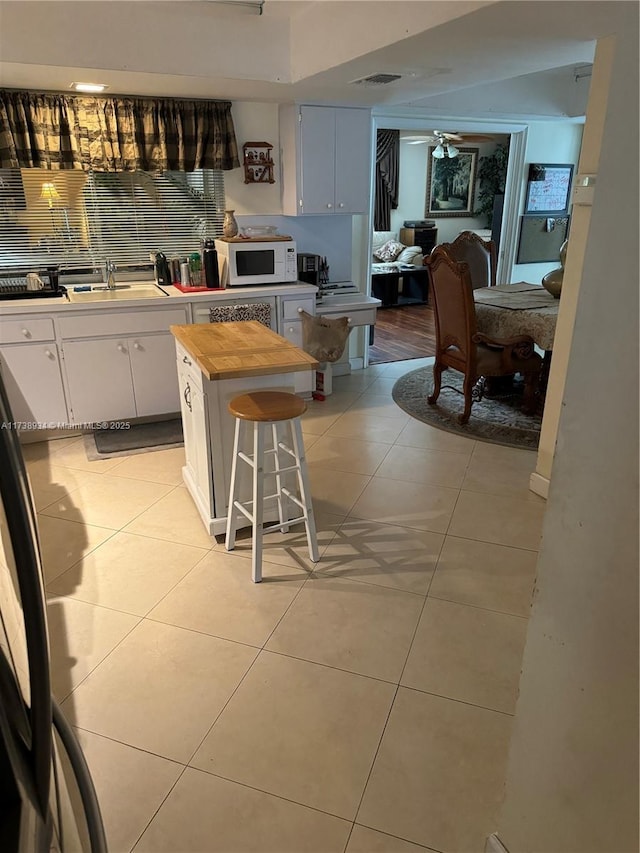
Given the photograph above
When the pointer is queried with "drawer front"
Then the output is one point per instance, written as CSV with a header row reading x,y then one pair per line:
x,y
187,366
290,307
357,317
292,331
127,323
28,329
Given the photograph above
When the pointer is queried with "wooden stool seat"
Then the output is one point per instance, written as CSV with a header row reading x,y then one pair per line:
x,y
273,412
267,406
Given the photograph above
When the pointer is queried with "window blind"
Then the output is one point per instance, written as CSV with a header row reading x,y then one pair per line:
x,y
77,219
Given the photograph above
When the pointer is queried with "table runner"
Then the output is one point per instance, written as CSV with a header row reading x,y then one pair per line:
x,y
515,297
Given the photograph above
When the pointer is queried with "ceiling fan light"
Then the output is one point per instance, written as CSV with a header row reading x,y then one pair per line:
x,y
452,151
438,151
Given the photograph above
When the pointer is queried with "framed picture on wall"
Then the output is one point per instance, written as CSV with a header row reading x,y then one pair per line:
x,y
451,183
548,188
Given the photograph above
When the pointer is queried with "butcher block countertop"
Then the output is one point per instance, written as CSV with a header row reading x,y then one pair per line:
x,y
236,350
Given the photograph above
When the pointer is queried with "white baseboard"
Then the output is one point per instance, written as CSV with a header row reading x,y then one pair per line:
x,y
494,845
539,485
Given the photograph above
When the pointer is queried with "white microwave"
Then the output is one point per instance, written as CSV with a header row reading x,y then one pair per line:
x,y
256,262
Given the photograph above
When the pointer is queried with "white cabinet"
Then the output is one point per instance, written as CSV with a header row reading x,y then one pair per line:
x,y
195,426
30,366
99,380
32,377
153,370
325,159
290,327
118,378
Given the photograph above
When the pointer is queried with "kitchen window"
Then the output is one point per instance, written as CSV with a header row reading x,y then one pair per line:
x,y
76,219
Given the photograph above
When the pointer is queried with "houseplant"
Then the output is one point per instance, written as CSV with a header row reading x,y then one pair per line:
x,y
492,173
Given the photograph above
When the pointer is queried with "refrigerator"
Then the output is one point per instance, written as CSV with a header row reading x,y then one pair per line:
x,y
48,800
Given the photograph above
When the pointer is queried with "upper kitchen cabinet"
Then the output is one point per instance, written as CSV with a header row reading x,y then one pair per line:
x,y
325,159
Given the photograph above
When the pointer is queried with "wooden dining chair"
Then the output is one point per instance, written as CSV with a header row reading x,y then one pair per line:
x,y
481,255
461,347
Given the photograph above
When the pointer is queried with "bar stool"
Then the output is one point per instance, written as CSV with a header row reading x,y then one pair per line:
x,y
274,409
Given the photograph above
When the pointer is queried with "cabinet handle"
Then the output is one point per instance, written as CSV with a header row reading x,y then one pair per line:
x,y
290,330
121,348
48,353
137,345
187,360
329,206
26,333
341,204
187,396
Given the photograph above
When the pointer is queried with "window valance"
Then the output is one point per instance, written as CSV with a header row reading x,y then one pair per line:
x,y
57,131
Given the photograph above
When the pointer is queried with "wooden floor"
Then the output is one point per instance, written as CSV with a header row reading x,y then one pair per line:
x,y
404,332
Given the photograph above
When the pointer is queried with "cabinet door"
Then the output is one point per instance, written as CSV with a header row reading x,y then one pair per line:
x,y
99,380
196,436
353,161
32,377
155,377
317,153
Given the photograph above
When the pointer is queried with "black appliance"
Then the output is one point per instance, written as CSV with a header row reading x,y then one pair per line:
x,y
313,269
14,283
47,795
161,270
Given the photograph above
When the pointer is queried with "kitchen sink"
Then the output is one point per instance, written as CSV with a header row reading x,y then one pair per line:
x,y
101,293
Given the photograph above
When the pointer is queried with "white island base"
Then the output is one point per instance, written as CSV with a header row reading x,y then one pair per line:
x,y
208,436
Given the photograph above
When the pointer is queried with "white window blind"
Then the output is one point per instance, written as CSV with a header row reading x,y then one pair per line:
x,y
77,219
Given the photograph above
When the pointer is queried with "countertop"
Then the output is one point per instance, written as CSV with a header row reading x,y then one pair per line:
x,y
236,350
60,304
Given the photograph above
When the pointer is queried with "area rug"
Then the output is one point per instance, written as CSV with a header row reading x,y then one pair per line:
x,y
139,438
497,419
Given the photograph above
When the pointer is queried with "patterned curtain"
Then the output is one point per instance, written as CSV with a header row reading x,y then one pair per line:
x,y
58,131
387,173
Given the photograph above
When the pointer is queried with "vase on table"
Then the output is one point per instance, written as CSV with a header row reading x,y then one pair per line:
x,y
552,281
229,224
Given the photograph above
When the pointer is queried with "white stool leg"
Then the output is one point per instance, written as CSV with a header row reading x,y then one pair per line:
x,y
258,494
305,489
230,537
277,466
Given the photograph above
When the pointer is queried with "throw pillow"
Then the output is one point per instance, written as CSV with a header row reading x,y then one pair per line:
x,y
389,252
410,255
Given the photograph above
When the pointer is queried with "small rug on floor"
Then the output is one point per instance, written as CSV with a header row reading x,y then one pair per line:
x,y
497,419
139,438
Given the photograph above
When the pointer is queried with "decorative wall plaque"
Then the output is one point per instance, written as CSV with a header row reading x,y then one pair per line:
x,y
258,163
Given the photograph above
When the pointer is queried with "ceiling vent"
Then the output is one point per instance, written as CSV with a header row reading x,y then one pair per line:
x,y
376,79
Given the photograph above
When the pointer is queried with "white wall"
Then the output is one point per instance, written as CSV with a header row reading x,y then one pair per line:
x,y
547,142
572,783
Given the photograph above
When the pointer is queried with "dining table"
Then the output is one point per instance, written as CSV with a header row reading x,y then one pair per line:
x,y
511,310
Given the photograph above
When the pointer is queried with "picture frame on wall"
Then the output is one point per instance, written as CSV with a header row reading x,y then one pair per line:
x,y
451,183
548,188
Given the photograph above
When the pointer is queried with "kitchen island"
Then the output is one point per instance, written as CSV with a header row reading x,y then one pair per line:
x,y
215,363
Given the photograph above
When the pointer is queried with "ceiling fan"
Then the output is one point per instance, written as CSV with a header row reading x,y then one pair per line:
x,y
445,143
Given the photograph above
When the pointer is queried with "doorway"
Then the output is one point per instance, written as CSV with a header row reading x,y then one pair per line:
x,y
407,331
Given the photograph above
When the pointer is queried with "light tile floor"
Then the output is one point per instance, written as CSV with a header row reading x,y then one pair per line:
x,y
361,705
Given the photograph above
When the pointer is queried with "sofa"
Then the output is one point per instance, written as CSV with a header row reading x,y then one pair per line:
x,y
390,255
410,282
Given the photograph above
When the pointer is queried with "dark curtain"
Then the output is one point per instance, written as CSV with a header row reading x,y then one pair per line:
x,y
387,173
58,131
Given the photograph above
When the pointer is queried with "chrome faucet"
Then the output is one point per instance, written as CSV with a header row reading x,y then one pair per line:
x,y
110,269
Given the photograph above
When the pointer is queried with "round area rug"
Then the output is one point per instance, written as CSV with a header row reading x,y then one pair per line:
x,y
497,419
